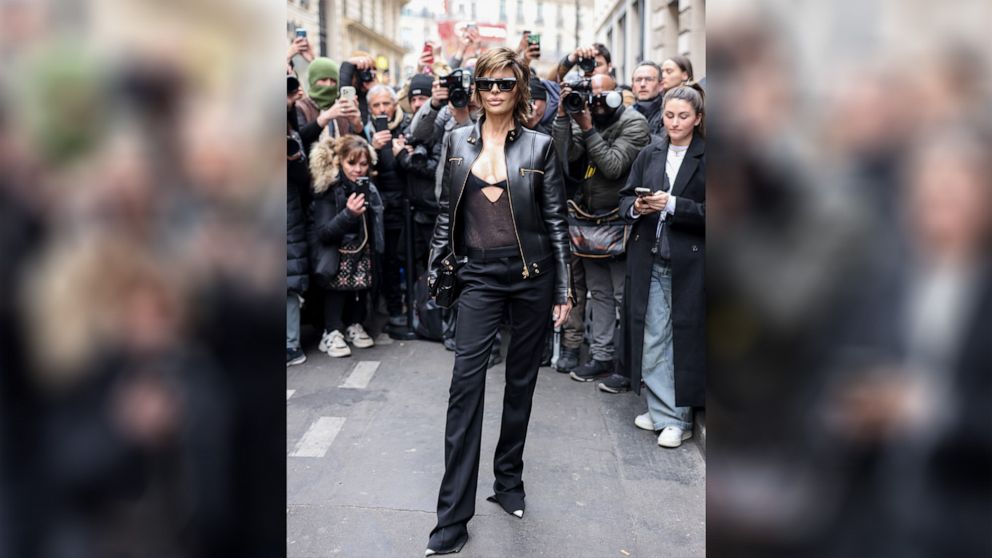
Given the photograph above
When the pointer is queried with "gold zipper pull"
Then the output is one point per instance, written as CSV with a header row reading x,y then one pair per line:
x,y
526,273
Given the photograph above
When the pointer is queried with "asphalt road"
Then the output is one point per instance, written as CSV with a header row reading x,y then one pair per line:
x,y
365,443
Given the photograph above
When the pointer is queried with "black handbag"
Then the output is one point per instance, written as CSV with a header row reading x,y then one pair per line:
x,y
597,236
446,288
355,267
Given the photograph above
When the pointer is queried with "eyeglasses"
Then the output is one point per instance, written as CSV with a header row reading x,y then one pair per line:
x,y
504,84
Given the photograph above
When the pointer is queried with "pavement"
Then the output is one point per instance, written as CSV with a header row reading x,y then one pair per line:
x,y
365,446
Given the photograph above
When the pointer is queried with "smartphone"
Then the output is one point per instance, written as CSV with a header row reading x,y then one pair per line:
x,y
301,32
642,192
348,93
380,123
362,188
534,39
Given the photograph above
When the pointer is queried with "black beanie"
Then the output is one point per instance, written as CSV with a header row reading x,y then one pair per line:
x,y
420,84
537,89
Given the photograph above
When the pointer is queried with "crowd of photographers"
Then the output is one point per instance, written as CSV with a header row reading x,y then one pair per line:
x,y
362,191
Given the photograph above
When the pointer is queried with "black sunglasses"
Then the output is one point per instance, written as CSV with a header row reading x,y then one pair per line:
x,y
486,84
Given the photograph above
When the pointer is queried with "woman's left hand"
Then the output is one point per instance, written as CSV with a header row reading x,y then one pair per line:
x,y
560,313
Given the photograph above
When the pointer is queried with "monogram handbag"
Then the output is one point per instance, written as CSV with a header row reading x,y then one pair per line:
x,y
445,289
597,236
355,268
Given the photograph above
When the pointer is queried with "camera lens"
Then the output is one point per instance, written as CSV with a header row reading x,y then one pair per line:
x,y
458,98
574,102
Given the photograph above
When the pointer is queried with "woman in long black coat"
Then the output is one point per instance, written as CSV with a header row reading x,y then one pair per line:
x,y
663,322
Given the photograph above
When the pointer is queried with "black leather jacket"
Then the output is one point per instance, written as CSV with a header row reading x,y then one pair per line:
x,y
537,202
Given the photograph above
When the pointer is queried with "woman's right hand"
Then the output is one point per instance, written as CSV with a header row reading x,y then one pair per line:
x,y
341,107
356,204
646,205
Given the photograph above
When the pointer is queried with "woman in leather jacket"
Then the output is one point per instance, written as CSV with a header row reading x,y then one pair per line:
x,y
503,217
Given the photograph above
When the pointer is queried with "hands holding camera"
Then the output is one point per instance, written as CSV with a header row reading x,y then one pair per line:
x,y
582,118
439,95
651,203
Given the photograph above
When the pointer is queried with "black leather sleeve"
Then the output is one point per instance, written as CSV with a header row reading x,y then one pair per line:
x,y
440,245
554,214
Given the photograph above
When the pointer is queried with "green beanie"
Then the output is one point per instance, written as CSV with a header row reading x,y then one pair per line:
x,y
321,68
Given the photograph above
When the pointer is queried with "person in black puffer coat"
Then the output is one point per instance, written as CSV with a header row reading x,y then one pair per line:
x,y
340,216
391,180
419,161
297,198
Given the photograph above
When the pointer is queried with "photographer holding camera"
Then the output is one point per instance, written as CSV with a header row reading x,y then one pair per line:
x,y
593,126
448,109
591,60
359,72
419,161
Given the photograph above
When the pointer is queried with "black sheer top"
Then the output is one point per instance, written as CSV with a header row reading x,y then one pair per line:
x,y
488,224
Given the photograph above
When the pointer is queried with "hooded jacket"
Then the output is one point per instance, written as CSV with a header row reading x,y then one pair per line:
x,y
330,223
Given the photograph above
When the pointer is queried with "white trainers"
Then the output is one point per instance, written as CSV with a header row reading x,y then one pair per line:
x,y
644,422
334,345
673,436
358,337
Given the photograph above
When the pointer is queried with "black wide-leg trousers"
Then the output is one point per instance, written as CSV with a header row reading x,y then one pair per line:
x,y
489,286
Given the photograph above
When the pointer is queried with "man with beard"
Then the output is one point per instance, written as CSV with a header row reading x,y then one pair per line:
x,y
607,137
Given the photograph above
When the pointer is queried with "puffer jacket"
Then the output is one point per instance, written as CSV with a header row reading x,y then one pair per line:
x,y
391,179
537,203
610,152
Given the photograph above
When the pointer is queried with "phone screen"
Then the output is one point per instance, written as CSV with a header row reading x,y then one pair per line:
x,y
301,32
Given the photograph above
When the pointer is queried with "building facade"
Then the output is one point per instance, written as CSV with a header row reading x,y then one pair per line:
x,y
339,28
501,23
637,30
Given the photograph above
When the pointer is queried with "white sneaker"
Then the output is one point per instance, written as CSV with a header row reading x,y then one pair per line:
x,y
644,422
673,436
334,345
358,337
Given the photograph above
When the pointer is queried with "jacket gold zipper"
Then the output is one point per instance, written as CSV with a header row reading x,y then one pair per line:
x,y
513,218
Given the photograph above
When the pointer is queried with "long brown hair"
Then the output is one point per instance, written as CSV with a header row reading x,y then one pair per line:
x,y
497,59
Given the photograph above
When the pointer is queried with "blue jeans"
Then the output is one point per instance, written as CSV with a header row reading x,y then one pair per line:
x,y
658,364
292,321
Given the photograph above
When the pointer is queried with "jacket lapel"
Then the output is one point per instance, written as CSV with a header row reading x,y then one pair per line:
x,y
689,164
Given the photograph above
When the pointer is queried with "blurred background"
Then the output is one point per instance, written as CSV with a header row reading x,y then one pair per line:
x,y
848,278
141,184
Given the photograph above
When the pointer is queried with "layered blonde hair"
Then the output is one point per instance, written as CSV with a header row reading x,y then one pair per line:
x,y
326,157
495,60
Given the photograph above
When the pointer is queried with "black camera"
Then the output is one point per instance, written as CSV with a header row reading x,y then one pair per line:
x,y
419,155
577,99
587,64
459,85
366,76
